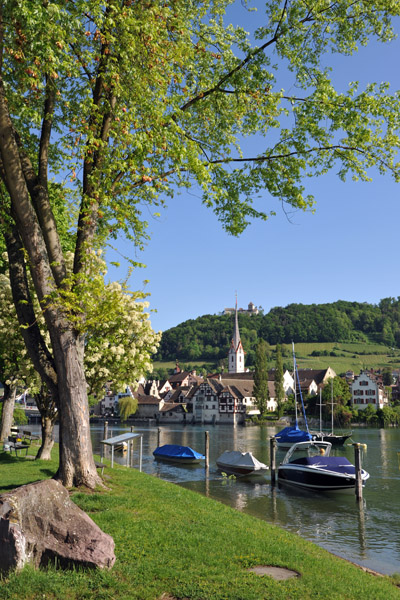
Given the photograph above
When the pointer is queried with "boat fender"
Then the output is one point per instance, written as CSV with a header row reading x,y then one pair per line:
x,y
364,446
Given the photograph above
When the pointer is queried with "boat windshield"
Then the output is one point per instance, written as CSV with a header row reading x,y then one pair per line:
x,y
308,449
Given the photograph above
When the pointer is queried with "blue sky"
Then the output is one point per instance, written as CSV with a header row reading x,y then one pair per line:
x,y
347,250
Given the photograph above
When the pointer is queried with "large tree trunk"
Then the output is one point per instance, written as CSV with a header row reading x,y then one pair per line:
x,y
76,454
44,452
8,412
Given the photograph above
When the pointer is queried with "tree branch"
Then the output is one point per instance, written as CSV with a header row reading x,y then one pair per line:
x,y
34,341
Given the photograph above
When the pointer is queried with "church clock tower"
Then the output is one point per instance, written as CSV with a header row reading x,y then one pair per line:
x,y
236,352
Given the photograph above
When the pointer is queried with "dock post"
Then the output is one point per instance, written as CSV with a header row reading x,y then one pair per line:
x,y
207,448
357,463
158,436
105,436
272,460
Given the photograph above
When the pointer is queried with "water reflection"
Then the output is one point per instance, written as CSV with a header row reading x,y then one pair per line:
x,y
367,532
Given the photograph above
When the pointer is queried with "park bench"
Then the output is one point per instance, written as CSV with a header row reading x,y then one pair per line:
x,y
28,435
16,445
100,466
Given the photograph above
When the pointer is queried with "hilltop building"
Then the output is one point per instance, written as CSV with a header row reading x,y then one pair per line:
x,y
250,310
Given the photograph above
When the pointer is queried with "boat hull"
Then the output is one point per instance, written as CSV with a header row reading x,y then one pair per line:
x,y
182,461
335,440
314,479
234,470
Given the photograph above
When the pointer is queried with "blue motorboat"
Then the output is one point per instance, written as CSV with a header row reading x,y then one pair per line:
x,y
178,454
293,434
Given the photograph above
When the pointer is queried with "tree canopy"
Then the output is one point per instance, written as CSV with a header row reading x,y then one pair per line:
x,y
107,108
208,336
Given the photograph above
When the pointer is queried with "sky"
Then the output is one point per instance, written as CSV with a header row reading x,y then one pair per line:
x,y
347,250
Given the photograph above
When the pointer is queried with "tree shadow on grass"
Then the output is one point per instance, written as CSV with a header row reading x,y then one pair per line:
x,y
48,472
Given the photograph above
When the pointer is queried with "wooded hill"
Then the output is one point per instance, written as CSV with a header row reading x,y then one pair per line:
x,y
208,337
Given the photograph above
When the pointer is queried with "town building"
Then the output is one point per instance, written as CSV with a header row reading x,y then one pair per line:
x,y
367,388
236,352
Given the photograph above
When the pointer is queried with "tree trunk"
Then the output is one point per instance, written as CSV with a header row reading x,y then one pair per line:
x,y
8,412
44,452
76,454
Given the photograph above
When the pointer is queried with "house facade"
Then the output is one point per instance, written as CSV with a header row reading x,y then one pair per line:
x,y
220,401
367,388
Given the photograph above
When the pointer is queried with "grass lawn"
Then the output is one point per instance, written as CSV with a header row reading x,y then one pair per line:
x,y
173,543
347,355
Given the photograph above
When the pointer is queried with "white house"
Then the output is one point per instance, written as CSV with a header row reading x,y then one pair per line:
x,y
367,388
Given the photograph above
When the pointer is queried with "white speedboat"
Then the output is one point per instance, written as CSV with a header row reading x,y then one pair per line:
x,y
316,470
240,463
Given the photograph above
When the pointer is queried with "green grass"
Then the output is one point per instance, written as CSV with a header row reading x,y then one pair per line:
x,y
174,543
349,356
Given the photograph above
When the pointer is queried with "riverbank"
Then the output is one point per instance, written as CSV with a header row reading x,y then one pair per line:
x,y
174,543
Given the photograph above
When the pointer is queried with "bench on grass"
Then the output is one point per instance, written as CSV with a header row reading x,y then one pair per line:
x,y
14,445
100,466
28,435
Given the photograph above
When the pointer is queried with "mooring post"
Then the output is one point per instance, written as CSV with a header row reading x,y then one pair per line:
x,y
357,463
158,436
105,436
272,460
131,449
207,449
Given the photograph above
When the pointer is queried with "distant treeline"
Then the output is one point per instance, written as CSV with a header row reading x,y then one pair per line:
x,y
209,337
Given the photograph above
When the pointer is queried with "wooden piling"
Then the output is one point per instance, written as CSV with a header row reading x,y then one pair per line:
x,y
272,459
207,449
357,464
105,436
158,437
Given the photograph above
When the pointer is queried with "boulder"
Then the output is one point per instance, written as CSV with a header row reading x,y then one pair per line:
x,y
39,524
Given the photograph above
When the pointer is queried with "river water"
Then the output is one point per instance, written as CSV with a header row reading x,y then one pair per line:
x,y
367,534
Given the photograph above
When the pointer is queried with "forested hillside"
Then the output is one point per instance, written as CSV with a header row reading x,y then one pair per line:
x,y
208,337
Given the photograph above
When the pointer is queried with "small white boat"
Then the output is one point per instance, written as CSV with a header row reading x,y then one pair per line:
x,y
316,470
240,463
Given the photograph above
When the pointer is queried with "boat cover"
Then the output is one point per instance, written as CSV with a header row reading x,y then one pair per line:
x,y
235,458
174,451
339,464
293,435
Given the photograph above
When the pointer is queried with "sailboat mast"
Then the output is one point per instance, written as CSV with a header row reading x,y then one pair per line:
x,y
295,387
320,410
332,402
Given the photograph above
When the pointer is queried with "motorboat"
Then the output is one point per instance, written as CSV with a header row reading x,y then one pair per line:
x,y
293,434
235,462
316,470
178,454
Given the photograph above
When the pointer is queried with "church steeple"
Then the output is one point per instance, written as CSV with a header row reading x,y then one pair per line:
x,y
236,352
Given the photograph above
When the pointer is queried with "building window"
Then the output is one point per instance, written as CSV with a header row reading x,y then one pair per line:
x,y
363,383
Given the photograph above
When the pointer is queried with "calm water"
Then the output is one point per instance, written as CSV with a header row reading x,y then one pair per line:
x,y
369,535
